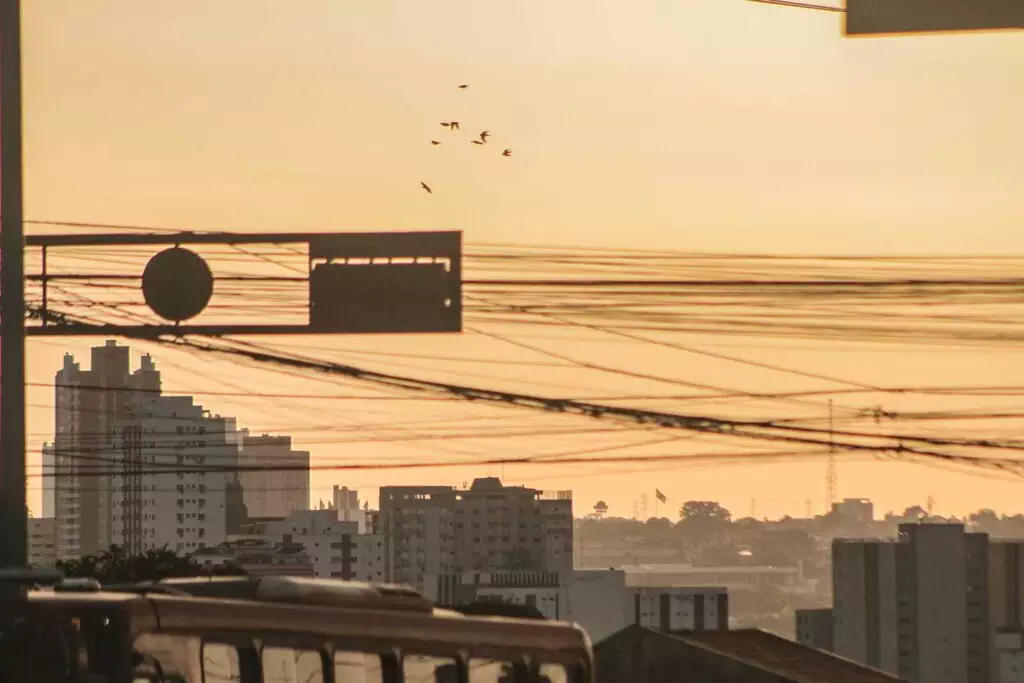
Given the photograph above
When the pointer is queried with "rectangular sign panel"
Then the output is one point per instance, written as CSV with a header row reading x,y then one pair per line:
x,y
882,17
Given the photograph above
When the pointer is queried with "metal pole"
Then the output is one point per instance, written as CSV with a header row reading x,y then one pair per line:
x,y
13,512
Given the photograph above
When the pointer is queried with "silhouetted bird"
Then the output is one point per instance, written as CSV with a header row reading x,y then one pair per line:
x,y
483,136
435,142
463,87
476,142
507,153
454,125
426,187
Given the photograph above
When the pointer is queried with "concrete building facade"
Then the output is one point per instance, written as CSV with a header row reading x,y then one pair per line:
x,y
335,548
927,605
439,530
42,541
89,403
814,628
1009,656
598,600
186,508
275,492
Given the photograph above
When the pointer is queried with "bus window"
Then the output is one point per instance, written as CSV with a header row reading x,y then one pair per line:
x,y
220,663
491,671
287,665
549,673
427,669
357,667
166,658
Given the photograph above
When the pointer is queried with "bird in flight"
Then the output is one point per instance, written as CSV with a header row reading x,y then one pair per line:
x,y
426,187
463,86
454,125
507,153
484,135
435,142
476,142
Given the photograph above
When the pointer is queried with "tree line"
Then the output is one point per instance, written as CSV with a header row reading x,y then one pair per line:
x,y
117,566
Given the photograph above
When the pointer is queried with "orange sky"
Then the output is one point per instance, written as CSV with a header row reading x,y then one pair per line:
x,y
691,124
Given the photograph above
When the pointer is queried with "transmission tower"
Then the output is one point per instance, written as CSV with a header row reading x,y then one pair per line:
x,y
831,483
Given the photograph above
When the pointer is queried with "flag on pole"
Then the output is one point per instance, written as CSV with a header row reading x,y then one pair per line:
x,y
660,496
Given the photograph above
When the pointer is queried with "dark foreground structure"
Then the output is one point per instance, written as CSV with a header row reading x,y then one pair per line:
x,y
641,655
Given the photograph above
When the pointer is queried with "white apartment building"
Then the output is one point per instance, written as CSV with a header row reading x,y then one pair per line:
x,y
168,491
598,600
346,502
680,609
42,541
273,492
88,404
439,530
926,606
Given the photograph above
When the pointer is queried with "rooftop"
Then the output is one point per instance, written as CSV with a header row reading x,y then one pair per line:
x,y
690,569
788,659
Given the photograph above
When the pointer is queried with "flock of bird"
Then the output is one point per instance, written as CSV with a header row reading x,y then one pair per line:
x,y
481,139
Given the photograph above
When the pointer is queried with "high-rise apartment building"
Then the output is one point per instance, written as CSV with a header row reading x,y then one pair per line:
x,y
283,486
184,506
131,465
86,447
927,605
437,530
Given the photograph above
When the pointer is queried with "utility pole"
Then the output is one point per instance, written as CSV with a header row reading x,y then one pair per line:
x,y
13,512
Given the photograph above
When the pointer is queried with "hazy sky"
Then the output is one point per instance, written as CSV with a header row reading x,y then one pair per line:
x,y
686,124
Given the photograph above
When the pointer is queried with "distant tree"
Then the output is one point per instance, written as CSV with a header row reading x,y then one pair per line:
x,y
658,525
704,510
984,518
915,513
600,509
115,565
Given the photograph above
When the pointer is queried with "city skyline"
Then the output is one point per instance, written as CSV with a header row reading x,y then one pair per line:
x,y
645,504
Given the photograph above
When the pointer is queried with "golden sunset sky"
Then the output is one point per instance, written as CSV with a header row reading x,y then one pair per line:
x,y
698,125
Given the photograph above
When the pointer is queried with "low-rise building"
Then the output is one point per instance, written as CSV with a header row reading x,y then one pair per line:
x,y
600,601
336,548
258,556
1009,645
